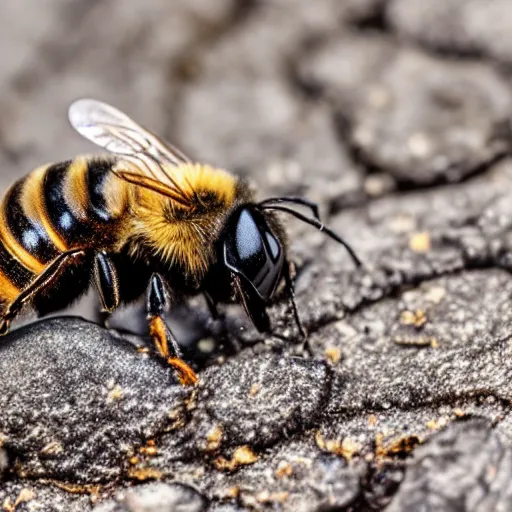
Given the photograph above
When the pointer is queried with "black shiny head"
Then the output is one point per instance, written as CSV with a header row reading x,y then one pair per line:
x,y
253,252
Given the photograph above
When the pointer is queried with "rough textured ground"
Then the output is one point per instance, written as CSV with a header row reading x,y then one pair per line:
x,y
395,116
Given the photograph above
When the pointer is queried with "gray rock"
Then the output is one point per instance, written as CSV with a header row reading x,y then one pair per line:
x,y
466,467
253,401
475,27
418,118
77,402
257,400
294,476
42,72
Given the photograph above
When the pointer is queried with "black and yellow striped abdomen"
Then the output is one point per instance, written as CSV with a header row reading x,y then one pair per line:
x,y
56,208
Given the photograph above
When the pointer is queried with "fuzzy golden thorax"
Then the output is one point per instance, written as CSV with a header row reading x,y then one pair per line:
x,y
179,235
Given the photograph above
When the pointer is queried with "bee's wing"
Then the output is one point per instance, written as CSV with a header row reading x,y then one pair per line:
x,y
116,132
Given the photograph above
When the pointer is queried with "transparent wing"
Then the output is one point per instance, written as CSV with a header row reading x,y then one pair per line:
x,y
113,130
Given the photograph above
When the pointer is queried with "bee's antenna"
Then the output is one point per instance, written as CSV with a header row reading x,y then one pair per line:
x,y
317,224
293,199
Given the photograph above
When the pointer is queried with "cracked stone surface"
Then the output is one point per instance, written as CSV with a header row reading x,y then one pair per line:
x,y
394,116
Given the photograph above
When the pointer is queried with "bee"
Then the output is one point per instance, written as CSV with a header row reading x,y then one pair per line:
x,y
143,217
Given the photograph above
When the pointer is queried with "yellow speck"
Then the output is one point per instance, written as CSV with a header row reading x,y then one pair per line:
x,y
255,388
92,489
148,450
420,242
242,456
143,474
274,497
333,354
435,294
346,447
432,425
396,446
52,448
232,493
214,439
115,394
284,469
24,496
437,424
416,318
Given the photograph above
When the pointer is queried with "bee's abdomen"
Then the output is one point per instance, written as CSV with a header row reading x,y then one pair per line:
x,y
52,210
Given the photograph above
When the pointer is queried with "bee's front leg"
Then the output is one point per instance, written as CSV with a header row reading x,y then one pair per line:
x,y
156,306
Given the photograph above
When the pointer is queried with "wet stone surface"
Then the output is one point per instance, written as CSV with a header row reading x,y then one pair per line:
x,y
368,108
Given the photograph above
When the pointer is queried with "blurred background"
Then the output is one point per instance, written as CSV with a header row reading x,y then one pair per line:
x,y
219,78
342,100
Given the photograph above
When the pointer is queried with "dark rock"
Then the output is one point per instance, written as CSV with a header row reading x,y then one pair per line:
x,y
256,400
76,402
252,400
156,497
466,467
447,359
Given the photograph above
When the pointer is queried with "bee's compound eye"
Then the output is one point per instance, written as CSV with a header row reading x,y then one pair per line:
x,y
252,251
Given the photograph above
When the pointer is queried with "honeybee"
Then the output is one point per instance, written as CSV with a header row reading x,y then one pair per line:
x,y
145,217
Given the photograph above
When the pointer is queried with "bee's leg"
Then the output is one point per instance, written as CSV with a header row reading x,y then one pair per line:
x,y
162,335
290,290
40,282
107,284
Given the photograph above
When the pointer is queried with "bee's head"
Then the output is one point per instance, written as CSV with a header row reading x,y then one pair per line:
x,y
253,250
